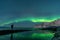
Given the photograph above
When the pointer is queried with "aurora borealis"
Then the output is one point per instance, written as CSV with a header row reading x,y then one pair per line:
x,y
28,19
14,11
16,15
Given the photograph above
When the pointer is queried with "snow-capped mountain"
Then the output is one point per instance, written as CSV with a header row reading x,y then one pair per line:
x,y
47,24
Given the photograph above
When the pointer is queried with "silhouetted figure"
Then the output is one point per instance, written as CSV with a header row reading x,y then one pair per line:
x,y
12,32
11,27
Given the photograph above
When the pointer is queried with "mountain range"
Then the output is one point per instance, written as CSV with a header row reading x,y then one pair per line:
x,y
47,24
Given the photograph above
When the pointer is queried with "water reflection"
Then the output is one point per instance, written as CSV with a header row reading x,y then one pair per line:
x,y
32,35
5,37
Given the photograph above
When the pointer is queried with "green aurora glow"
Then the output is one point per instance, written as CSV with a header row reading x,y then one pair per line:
x,y
43,35
28,19
35,35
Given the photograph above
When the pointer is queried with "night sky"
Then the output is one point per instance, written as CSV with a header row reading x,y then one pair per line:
x,y
16,11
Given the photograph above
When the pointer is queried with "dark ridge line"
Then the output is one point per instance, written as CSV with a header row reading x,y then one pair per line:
x,y
5,32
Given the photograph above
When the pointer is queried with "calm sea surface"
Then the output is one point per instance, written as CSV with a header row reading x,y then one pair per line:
x,y
31,35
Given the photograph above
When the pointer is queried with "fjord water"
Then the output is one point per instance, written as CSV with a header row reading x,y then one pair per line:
x,y
30,35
